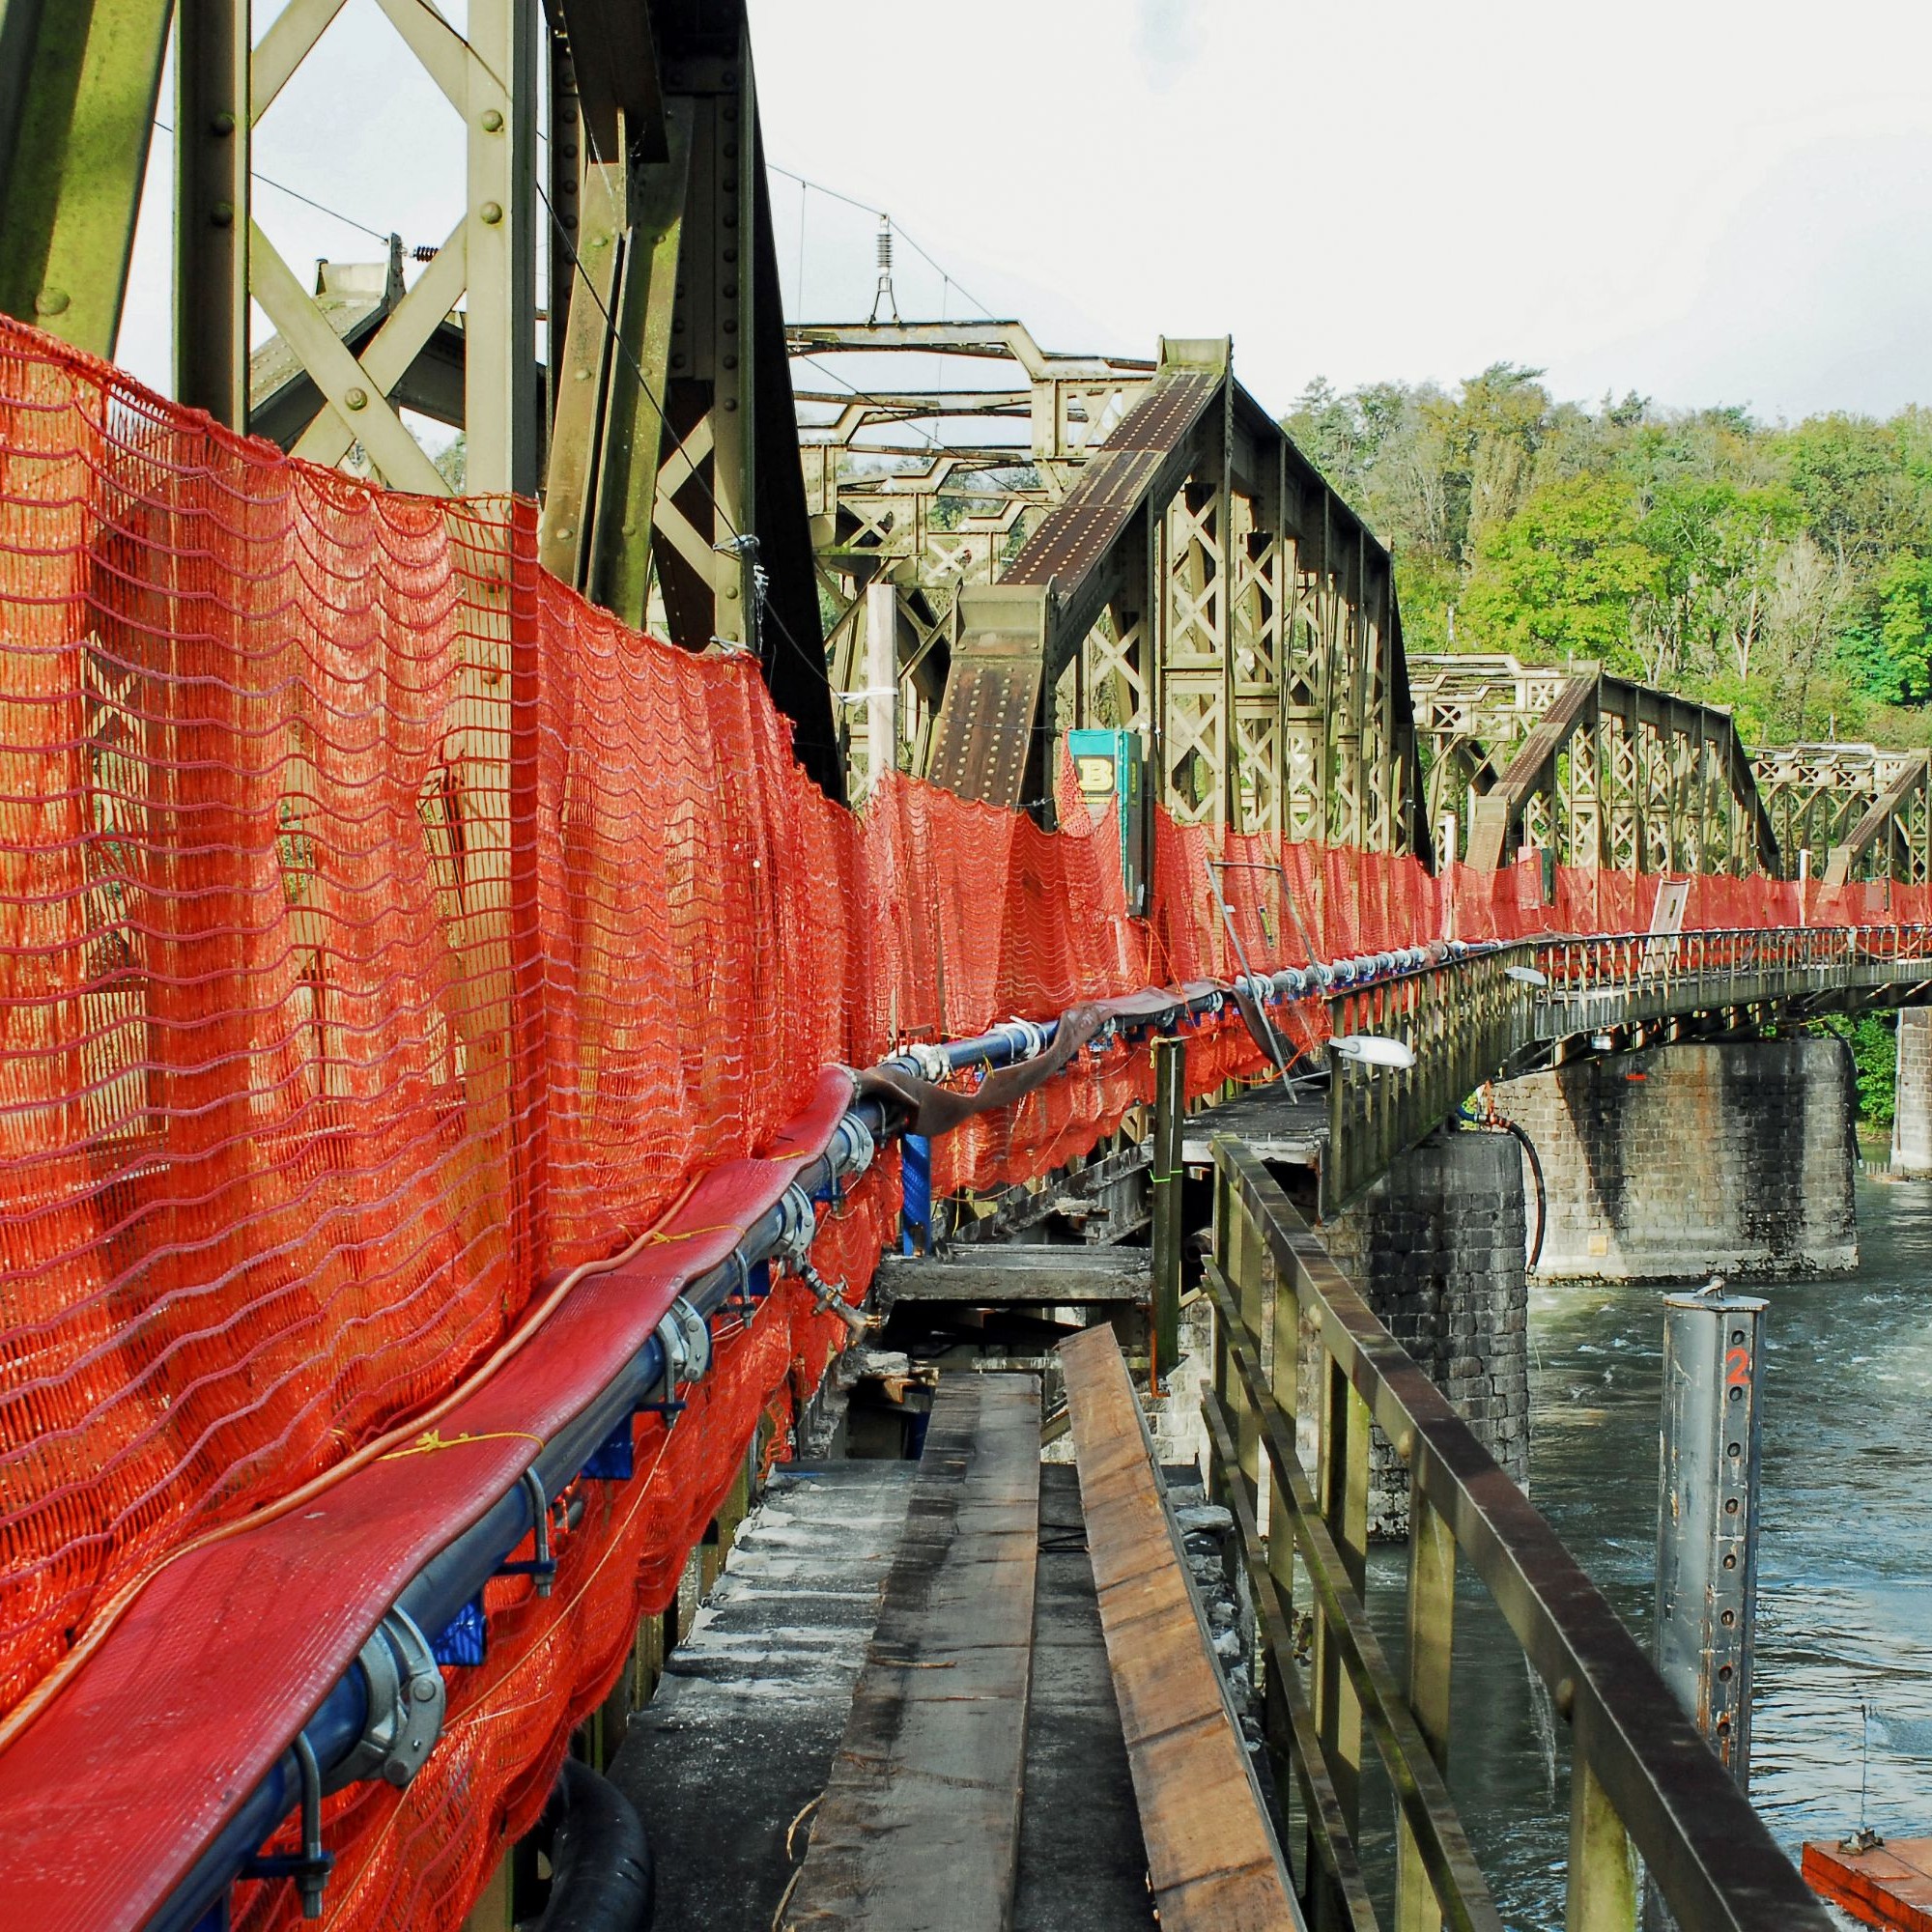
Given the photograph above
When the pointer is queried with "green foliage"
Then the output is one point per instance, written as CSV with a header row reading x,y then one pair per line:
x,y
1785,571
1562,576
452,462
1874,1039
1905,625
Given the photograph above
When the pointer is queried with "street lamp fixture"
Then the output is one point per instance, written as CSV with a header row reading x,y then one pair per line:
x,y
1374,1049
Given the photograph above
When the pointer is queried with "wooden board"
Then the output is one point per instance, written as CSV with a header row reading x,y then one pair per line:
x,y
1211,1857
1889,1886
1273,1122
918,1827
1003,1273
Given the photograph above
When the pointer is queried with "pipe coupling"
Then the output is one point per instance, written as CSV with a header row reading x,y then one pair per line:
x,y
1028,1039
928,1062
406,1707
852,1147
798,1225
684,1337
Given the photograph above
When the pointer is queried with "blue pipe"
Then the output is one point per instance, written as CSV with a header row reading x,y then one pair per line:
x,y
455,1575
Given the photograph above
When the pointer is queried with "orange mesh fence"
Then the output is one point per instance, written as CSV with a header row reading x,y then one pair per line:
x,y
382,927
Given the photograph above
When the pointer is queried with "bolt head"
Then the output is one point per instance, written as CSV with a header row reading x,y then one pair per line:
x,y
357,399
222,215
493,122
222,122
492,212
50,302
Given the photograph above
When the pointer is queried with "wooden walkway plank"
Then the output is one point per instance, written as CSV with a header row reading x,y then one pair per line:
x,y
918,1827
1212,1856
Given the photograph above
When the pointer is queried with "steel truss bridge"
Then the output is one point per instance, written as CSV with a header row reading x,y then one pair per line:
x,y
942,580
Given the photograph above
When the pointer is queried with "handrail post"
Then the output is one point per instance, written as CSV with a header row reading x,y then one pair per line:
x,y
1285,1378
1245,1267
1432,1626
1601,1891
1170,1110
1220,1363
1345,1505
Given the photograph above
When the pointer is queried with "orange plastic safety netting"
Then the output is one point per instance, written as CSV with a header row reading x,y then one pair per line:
x,y
382,927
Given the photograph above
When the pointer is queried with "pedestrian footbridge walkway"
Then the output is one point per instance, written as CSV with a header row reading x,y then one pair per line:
x,y
970,1691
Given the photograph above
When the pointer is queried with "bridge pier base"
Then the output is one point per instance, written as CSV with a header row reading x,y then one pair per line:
x,y
1678,1162
1437,1245
1912,1117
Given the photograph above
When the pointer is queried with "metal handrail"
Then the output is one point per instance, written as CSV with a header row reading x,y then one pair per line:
x,y
1641,1775
1469,1021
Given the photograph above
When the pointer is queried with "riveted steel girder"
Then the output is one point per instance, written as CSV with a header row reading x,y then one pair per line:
x,y
665,431
1155,556
1594,768
80,84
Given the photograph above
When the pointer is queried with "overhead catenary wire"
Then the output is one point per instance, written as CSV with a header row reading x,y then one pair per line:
x,y
295,194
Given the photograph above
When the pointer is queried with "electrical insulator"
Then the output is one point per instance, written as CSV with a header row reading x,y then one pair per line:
x,y
882,295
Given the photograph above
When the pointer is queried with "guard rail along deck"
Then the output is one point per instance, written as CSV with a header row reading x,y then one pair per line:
x,y
1507,1010
1642,1778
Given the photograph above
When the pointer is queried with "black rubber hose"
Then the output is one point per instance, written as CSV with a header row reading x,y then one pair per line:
x,y
1541,1198
601,1879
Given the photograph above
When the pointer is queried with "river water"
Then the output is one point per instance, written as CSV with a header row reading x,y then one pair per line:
x,y
1845,1563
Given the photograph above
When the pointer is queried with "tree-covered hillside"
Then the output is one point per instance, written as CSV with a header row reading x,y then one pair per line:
x,y
1785,571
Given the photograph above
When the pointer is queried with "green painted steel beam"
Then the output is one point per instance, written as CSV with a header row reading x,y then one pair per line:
x,y
74,152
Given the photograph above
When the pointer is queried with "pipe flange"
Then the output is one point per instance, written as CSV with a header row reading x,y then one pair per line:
x,y
685,1336
407,1701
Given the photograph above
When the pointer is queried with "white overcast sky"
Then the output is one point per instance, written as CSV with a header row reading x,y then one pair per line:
x,y
1703,200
